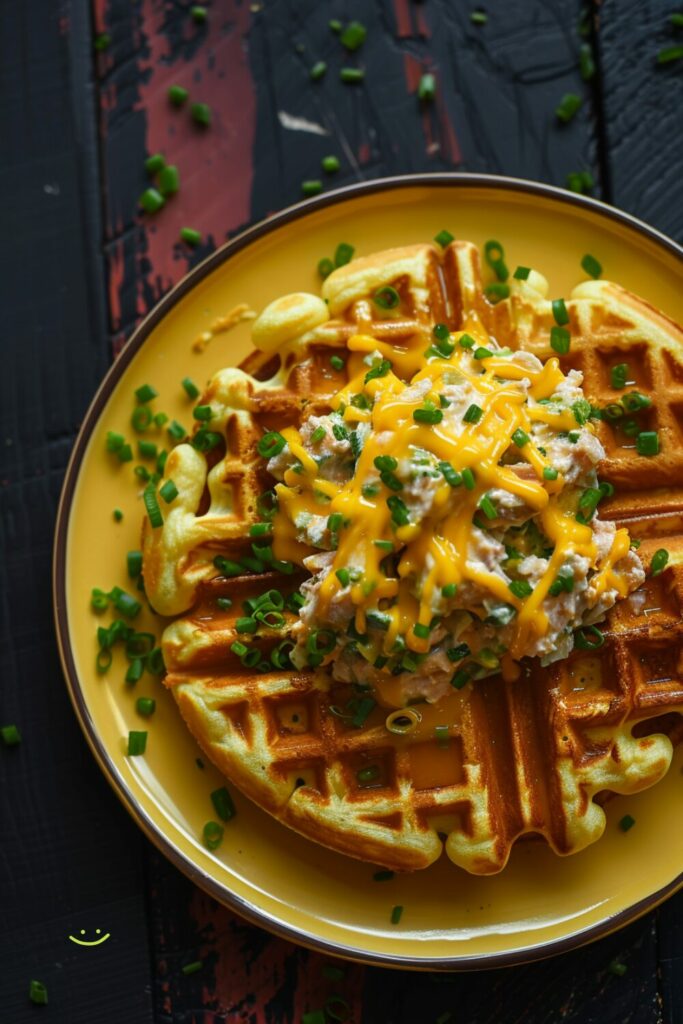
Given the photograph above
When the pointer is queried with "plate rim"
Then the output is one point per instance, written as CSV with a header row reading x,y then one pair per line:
x,y
152,831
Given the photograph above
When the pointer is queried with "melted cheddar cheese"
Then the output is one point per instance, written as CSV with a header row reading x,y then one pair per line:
x,y
411,502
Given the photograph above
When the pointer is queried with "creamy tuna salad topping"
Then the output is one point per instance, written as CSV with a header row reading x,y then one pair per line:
x,y
448,517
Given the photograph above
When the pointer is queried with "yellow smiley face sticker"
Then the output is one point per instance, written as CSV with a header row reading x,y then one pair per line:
x,y
93,942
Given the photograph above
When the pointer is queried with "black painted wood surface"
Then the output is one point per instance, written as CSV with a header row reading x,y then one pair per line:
x,y
80,266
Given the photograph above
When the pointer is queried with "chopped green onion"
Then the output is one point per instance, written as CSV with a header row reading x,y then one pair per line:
x,y
206,440
343,576
380,369
468,478
466,341
176,431
155,662
488,507
386,297
449,590
399,511
426,90
152,507
580,181
634,401
616,968
311,187
427,415
560,312
134,562
115,441
198,14
100,43
568,107
177,95
520,588
325,267
335,26
659,561
495,257
669,54
37,991
522,273
626,823
201,114
444,238
141,418
353,35
421,630
478,17
647,443
591,266
561,583
151,200
369,774
560,340
497,291
145,393
337,363
147,449
212,834
520,437
550,473
192,968
618,375
223,804
271,444
318,70
10,734
168,180
474,414
191,237
396,915
124,603
143,473
168,491
190,387
353,75
203,413
582,641
450,475
343,254
442,735
99,601
135,670
137,743
118,515
145,706
330,164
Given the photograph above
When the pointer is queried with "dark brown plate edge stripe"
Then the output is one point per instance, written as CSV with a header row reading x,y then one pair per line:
x,y
241,906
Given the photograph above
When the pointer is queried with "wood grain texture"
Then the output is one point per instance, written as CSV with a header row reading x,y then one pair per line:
x,y
74,285
641,110
70,857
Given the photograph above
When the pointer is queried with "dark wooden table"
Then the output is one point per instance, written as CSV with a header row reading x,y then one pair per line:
x,y
80,266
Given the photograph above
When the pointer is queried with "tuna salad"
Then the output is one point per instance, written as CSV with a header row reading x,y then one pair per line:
x,y
450,522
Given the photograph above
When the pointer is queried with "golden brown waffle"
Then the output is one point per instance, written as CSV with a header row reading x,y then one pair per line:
x,y
520,758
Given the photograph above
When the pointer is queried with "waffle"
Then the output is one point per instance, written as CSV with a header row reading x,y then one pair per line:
x,y
532,757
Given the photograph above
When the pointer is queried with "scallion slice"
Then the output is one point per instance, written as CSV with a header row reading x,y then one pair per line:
x,y
149,497
137,742
591,266
223,804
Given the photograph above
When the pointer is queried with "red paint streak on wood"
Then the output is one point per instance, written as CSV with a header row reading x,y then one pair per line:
x,y
214,163
404,21
115,277
439,133
413,71
239,975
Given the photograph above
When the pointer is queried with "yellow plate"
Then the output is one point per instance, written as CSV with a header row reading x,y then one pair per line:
x,y
540,904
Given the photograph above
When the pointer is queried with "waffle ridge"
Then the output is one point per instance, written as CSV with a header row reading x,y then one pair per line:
x,y
520,759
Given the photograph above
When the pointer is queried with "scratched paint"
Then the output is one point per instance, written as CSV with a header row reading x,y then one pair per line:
x,y
272,980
